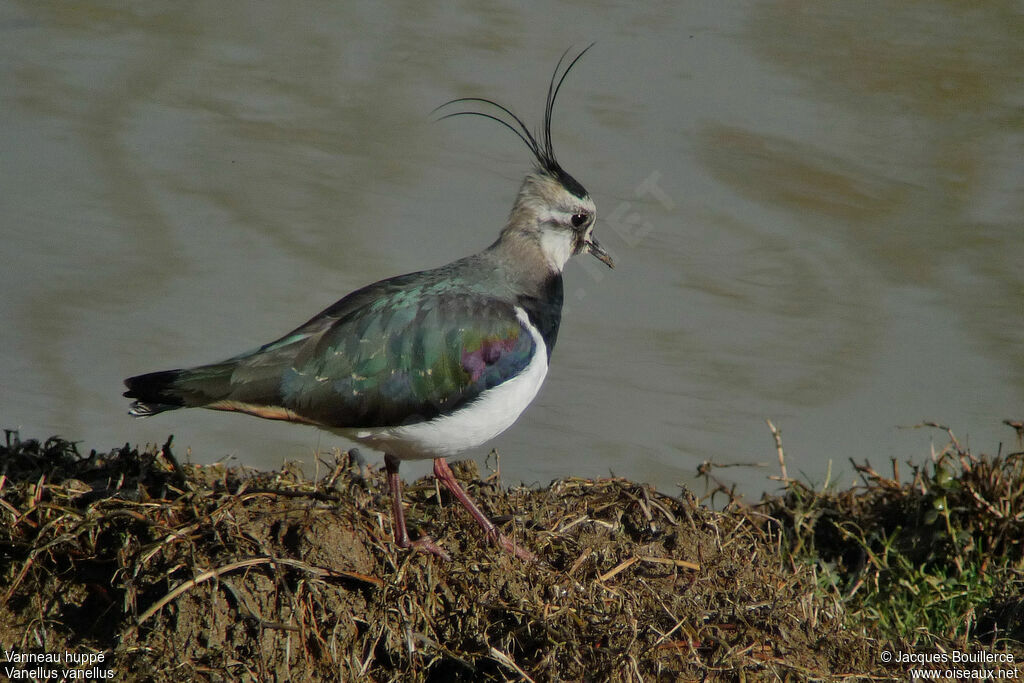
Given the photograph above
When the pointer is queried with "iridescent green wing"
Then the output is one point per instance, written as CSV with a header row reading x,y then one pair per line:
x,y
409,356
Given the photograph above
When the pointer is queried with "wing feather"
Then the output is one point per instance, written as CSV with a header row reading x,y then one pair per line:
x,y
402,360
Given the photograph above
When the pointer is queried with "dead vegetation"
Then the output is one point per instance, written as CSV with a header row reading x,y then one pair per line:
x,y
182,572
934,560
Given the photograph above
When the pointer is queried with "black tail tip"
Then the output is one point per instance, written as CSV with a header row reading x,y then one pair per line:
x,y
154,393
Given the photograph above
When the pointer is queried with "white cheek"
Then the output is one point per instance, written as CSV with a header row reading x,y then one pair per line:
x,y
557,247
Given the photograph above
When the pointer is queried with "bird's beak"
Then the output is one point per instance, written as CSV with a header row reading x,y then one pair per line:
x,y
598,251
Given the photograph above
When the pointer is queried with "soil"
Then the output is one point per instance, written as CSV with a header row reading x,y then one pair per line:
x,y
174,572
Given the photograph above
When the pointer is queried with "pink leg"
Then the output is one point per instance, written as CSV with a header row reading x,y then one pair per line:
x,y
424,544
444,473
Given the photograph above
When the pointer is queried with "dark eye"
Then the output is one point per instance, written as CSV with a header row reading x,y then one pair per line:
x,y
579,219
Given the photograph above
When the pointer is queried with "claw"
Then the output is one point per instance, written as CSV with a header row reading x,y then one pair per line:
x,y
426,545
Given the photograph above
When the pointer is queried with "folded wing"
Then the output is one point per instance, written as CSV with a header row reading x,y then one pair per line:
x,y
384,356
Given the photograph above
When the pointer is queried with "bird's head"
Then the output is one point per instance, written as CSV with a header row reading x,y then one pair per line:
x,y
552,210
558,214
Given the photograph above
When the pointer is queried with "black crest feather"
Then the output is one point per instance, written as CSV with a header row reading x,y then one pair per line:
x,y
540,145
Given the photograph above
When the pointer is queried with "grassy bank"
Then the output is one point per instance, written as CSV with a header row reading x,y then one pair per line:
x,y
173,571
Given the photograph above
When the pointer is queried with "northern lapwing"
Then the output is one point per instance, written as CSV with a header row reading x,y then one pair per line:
x,y
424,365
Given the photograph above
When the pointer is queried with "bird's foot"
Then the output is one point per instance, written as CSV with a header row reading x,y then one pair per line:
x,y
445,476
506,544
425,544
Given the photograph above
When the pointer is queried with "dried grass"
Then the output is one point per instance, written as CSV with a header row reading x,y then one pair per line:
x,y
187,572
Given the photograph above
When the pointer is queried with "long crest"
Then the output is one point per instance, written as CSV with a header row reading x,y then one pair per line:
x,y
542,148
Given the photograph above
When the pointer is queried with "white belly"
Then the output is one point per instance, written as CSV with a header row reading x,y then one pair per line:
x,y
474,424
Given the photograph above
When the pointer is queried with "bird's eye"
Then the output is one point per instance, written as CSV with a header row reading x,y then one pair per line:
x,y
579,219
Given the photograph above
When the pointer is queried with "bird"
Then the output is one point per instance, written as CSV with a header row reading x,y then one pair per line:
x,y
429,364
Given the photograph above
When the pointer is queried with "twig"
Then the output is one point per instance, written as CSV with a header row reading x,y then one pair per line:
x,y
670,560
288,493
250,562
509,662
622,566
179,473
580,560
778,449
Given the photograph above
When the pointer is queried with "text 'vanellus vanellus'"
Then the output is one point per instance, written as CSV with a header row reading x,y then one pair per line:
x,y
424,365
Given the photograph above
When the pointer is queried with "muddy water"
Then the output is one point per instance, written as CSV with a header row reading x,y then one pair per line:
x,y
815,211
